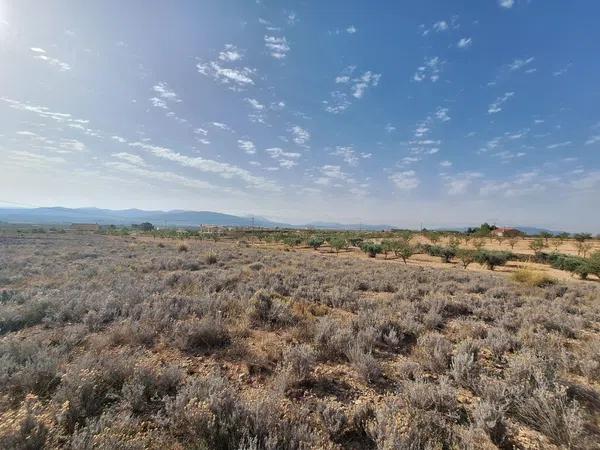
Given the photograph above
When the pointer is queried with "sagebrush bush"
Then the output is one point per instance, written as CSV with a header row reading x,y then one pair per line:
x,y
198,335
296,367
270,310
434,352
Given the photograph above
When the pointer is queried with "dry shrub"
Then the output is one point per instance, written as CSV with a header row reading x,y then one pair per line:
x,y
500,342
552,413
182,248
211,258
198,335
363,361
23,428
296,367
589,363
91,384
532,278
464,368
27,367
269,310
334,419
425,416
332,339
433,351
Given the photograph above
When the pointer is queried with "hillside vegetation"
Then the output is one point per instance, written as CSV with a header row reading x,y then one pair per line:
x,y
123,342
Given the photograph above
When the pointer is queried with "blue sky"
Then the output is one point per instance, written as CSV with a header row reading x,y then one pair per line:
x,y
399,112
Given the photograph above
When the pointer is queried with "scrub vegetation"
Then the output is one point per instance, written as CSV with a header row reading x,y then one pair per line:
x,y
117,341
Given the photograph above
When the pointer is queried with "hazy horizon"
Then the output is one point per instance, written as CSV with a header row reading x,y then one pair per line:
x,y
398,113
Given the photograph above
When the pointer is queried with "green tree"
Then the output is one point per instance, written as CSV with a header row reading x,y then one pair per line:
x,y
546,236
338,243
387,246
492,259
315,242
403,250
537,245
466,256
292,241
594,263
146,226
371,249
405,236
582,237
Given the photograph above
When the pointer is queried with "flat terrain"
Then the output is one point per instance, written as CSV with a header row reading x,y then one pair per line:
x,y
124,342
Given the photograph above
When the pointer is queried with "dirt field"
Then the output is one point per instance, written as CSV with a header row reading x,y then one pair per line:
x,y
123,342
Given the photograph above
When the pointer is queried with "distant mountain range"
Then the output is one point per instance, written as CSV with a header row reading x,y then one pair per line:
x,y
61,216
181,218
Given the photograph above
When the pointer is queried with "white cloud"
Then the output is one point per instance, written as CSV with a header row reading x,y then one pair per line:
x,y
351,29
464,43
230,53
559,145
255,104
408,160
292,18
368,79
330,172
446,164
338,104
158,103
130,158
406,180
72,145
225,170
442,25
496,106
277,152
222,126
593,140
29,159
200,131
301,136
519,63
41,54
506,3
163,91
522,184
355,86
247,146
562,71
278,46
285,159
235,77
459,184
442,114
430,70
168,177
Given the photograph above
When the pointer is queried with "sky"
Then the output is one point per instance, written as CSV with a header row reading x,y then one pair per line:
x,y
408,113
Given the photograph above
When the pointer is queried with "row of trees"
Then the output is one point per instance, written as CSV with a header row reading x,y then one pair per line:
x,y
403,249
